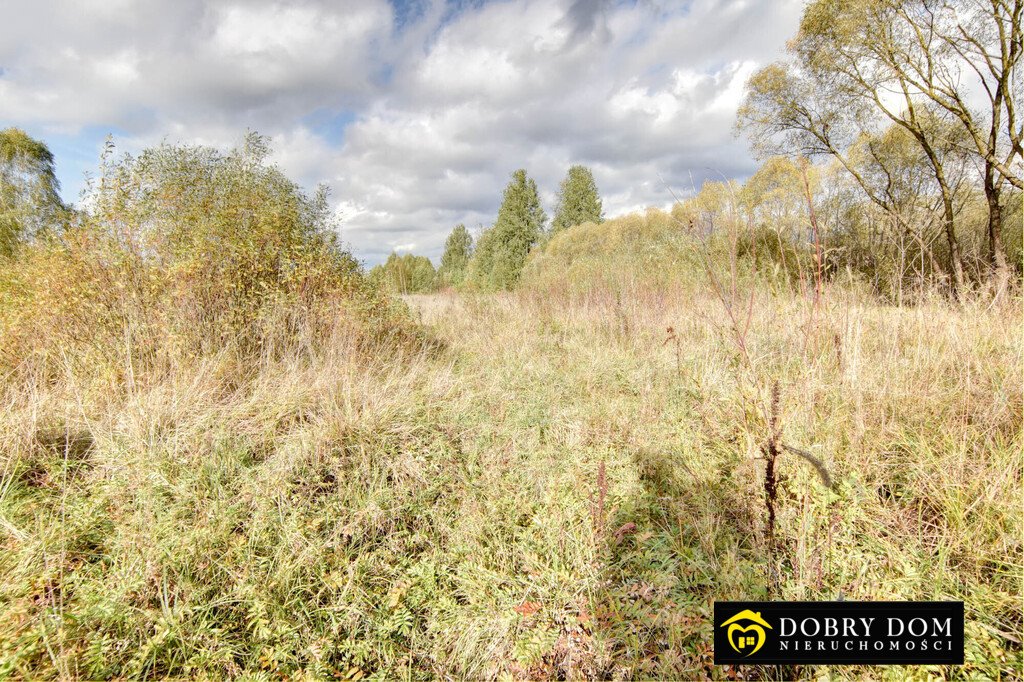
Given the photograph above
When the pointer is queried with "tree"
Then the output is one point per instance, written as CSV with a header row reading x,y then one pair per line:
x,y
935,52
773,197
502,249
857,65
406,274
986,37
578,200
894,169
29,198
955,54
457,250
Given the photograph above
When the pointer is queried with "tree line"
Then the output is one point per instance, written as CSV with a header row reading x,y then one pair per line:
x,y
496,259
31,208
889,132
889,138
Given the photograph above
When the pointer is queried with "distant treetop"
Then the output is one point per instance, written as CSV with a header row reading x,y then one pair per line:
x,y
578,200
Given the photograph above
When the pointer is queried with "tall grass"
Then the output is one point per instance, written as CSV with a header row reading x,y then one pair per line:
x,y
916,413
530,485
162,360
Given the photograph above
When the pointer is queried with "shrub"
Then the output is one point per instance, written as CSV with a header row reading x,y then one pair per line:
x,y
184,251
406,274
649,249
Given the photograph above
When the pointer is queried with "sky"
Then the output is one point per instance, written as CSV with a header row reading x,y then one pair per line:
x,y
413,112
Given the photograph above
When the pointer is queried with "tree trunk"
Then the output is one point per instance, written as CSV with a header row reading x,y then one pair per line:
x,y
956,260
996,255
948,214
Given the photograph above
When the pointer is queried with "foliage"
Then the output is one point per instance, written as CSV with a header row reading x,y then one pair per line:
x,y
225,453
578,200
502,249
406,274
458,248
773,196
29,191
650,247
856,68
764,226
184,251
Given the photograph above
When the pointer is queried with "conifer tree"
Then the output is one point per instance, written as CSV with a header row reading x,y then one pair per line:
x,y
478,271
578,200
502,250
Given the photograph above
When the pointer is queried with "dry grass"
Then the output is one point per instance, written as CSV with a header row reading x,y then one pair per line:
x,y
916,412
428,511
256,465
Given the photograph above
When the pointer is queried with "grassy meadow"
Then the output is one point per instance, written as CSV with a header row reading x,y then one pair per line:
x,y
553,483
543,446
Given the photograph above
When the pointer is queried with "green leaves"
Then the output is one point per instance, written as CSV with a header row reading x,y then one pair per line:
x,y
406,274
183,251
457,251
29,199
578,200
502,250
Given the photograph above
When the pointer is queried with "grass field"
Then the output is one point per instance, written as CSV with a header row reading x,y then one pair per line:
x,y
546,487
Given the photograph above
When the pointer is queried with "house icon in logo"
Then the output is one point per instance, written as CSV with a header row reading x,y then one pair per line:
x,y
746,632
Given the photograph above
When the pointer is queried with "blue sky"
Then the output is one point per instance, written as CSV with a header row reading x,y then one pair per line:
x,y
413,113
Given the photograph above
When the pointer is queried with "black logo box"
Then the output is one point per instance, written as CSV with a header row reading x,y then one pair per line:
x,y
937,638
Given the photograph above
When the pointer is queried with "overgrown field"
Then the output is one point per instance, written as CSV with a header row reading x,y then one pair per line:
x,y
547,485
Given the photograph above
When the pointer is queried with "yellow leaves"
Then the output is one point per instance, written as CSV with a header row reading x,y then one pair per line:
x,y
267,662
396,595
335,580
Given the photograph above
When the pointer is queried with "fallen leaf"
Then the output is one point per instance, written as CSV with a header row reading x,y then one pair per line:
x,y
625,529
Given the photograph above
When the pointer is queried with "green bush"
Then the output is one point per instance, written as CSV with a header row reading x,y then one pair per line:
x,y
183,251
648,249
406,274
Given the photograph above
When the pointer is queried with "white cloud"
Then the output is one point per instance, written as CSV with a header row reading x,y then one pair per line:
x,y
441,110
121,69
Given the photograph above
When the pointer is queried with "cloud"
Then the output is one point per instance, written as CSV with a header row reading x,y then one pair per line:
x,y
584,17
145,67
414,115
